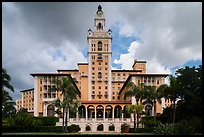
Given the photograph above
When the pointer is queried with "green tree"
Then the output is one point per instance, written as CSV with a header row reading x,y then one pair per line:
x,y
137,92
70,92
172,92
7,103
153,95
135,109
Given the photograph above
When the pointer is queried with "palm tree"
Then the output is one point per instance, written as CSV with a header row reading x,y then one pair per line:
x,y
153,95
137,92
171,92
135,109
70,93
7,104
6,80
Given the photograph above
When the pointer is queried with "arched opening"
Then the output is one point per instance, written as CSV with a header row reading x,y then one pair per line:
x,y
50,110
148,110
91,111
118,111
100,127
108,111
88,128
82,111
100,26
126,113
111,127
99,75
99,46
99,111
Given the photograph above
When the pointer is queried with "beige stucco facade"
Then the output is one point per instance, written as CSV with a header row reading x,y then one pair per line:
x,y
102,89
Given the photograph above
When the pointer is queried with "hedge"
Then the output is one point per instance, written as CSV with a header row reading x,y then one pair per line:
x,y
11,129
141,130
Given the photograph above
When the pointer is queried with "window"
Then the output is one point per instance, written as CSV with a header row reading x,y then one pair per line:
x,y
153,81
113,88
106,57
106,46
93,63
93,82
106,68
118,74
99,82
99,68
93,92
118,88
99,87
99,97
157,81
138,81
93,87
93,57
99,63
100,56
106,87
106,97
93,97
99,75
93,73
106,63
113,97
93,68
113,93
99,46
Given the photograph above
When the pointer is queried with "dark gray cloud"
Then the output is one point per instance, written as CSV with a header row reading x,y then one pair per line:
x,y
33,33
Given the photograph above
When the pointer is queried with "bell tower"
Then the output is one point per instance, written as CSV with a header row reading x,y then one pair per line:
x,y
99,58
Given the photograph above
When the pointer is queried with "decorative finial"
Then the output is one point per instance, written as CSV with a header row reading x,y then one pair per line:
x,y
99,8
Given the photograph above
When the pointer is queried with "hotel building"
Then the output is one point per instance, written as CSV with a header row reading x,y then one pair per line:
x,y
101,89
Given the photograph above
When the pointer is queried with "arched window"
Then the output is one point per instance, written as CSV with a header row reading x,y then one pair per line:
x,y
99,75
50,110
99,46
100,26
148,110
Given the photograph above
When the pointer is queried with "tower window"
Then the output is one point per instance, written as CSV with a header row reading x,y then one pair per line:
x,y
99,75
99,46
100,26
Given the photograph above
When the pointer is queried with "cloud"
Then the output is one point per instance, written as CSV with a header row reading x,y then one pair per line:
x,y
43,37
170,33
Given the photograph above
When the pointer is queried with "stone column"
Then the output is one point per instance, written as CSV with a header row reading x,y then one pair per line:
x,y
104,113
113,114
95,113
86,114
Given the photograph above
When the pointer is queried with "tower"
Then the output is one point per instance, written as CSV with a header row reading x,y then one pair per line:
x,y
99,59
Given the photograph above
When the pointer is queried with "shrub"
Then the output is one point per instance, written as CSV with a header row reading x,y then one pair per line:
x,y
141,130
48,121
73,128
88,128
100,127
112,128
181,128
125,128
150,121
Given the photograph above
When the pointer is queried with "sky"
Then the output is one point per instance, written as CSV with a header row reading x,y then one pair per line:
x,y
45,37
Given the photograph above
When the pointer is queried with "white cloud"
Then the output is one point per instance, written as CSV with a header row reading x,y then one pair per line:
x,y
127,60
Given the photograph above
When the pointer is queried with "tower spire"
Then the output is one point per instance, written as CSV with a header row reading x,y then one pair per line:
x,y
99,8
